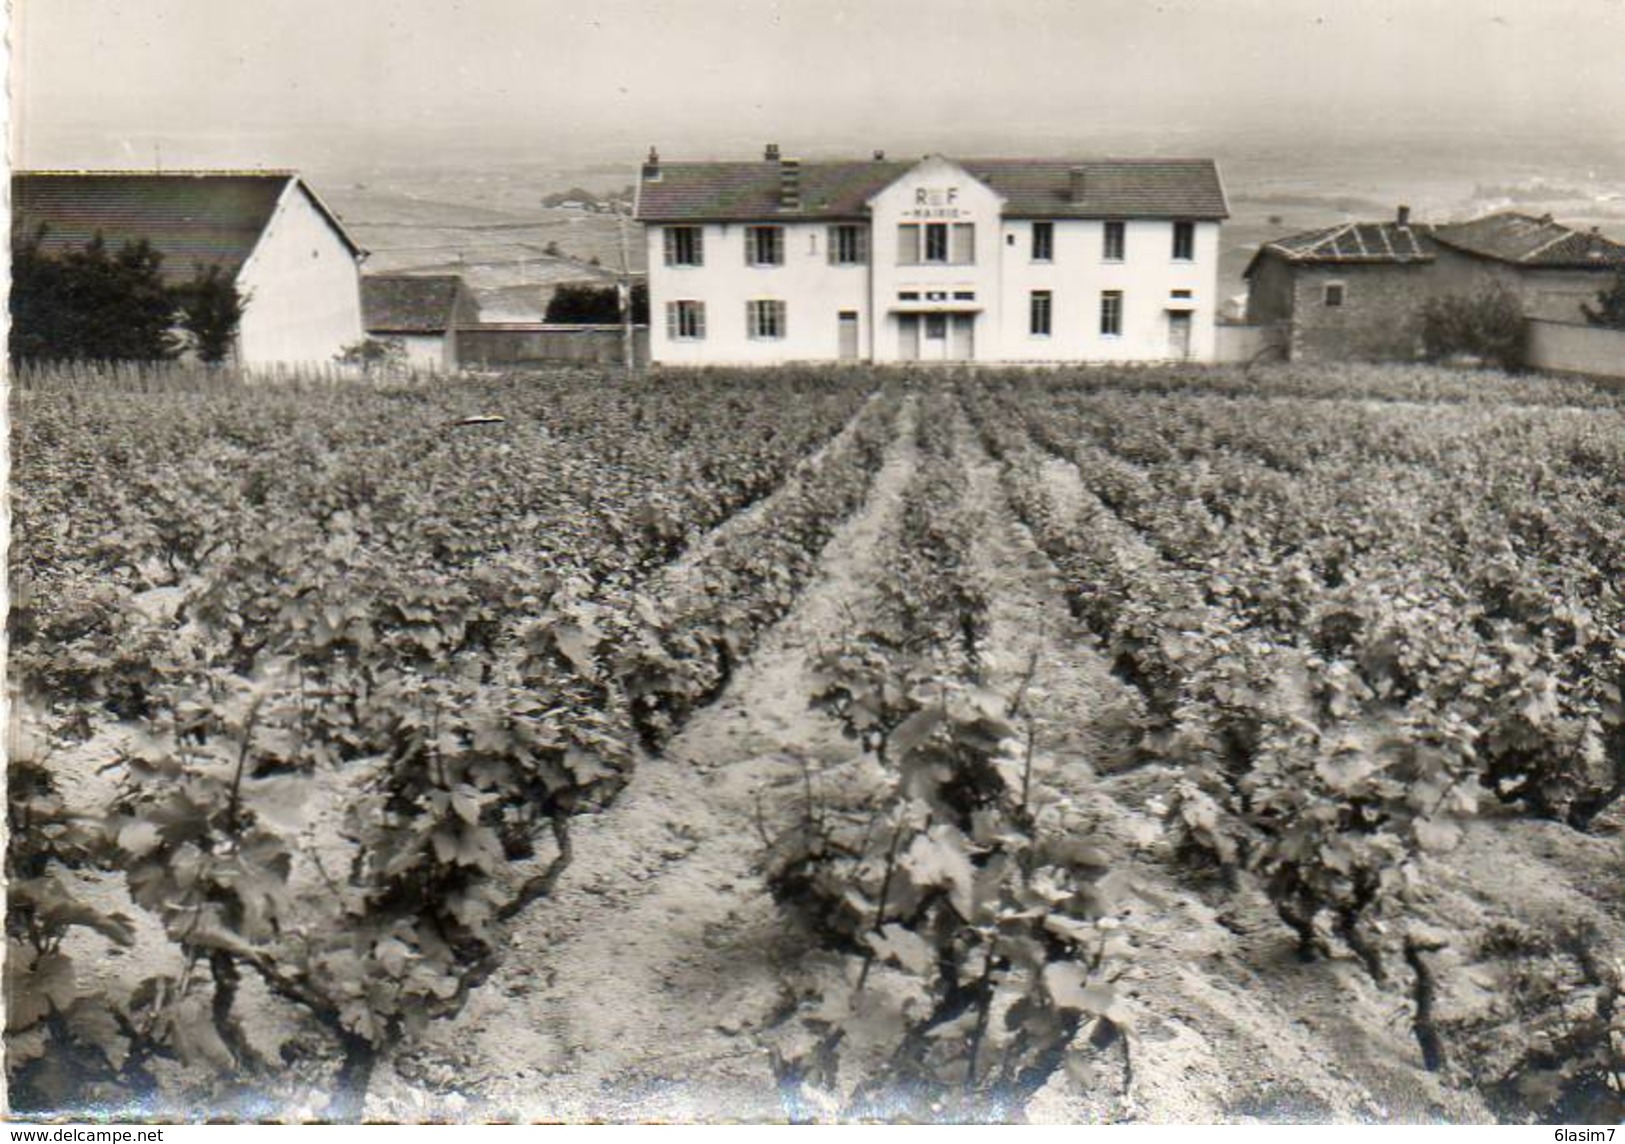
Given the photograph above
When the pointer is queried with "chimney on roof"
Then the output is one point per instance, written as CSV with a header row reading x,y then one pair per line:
x,y
1075,184
651,165
790,184
879,155
771,155
1404,218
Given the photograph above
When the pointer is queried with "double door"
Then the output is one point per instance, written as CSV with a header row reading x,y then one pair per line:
x,y
936,337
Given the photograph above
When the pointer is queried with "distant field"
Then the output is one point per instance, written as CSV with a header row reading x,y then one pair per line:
x,y
489,223
499,253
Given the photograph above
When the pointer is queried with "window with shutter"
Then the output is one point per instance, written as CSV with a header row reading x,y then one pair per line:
x,y
765,320
964,247
685,246
1115,241
1111,313
847,245
764,246
1043,241
685,321
1040,311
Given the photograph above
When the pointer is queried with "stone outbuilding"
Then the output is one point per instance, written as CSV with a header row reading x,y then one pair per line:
x,y
1356,291
1353,291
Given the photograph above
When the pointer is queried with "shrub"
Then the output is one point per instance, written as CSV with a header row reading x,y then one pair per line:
x,y
1488,325
1610,309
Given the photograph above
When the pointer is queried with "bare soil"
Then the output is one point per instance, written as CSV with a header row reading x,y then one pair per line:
x,y
642,989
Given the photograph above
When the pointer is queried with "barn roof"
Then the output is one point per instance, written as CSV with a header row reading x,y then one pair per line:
x,y
1528,241
192,218
1032,188
408,304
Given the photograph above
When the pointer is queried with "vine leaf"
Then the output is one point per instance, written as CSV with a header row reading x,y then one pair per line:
x,y
1070,988
908,949
938,858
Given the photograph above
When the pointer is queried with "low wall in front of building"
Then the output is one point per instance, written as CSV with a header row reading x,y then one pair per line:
x,y
1237,343
1572,347
509,344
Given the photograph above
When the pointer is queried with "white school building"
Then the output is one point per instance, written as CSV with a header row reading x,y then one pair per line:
x,y
985,260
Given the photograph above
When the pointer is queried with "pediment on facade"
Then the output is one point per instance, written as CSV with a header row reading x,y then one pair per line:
x,y
935,181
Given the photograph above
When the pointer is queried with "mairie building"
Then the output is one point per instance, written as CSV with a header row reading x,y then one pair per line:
x,y
940,260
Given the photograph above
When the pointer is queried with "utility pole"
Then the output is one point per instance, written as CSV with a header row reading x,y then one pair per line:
x,y
624,290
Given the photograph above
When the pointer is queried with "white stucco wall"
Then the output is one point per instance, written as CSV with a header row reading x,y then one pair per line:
x,y
1079,273
814,293
303,287
428,351
1002,276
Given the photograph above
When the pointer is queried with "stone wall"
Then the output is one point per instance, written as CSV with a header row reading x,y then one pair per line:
x,y
498,346
1379,318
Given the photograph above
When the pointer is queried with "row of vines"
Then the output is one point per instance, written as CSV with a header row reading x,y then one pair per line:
x,y
342,671
320,680
1348,625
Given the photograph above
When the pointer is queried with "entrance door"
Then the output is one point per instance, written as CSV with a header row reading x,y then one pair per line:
x,y
934,339
1179,335
962,337
849,335
908,337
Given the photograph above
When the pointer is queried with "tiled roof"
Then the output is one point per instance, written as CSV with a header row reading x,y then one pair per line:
x,y
191,218
404,304
1529,241
1112,188
1034,188
1357,242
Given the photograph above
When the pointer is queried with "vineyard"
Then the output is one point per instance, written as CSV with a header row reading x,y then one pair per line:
x,y
1160,744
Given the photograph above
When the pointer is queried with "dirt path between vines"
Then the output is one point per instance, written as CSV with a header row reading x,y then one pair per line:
x,y
634,991
1227,1025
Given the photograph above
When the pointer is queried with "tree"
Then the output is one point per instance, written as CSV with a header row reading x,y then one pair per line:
x,y
1610,309
1488,326
584,304
91,305
211,308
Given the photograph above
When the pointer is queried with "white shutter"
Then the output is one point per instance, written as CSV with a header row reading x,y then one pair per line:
x,y
908,244
671,245
964,243
671,309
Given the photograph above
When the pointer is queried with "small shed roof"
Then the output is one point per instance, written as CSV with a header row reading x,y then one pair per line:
x,y
192,218
410,304
1529,241
1036,188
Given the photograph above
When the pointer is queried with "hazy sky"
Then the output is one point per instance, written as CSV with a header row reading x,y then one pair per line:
x,y
237,81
